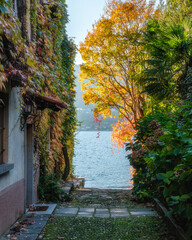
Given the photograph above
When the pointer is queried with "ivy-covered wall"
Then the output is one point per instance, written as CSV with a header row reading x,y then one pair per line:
x,y
37,54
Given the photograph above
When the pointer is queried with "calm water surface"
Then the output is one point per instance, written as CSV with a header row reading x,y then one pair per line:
x,y
95,161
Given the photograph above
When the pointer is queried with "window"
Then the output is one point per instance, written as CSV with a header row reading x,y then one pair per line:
x,y
23,8
4,166
3,128
1,131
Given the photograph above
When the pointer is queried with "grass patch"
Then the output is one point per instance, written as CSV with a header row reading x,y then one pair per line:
x,y
133,228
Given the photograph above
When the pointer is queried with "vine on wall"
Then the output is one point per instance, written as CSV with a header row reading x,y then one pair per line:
x,y
43,63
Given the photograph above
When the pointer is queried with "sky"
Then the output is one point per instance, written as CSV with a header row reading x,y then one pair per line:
x,y
82,15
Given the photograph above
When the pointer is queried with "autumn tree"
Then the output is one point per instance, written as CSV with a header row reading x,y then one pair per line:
x,y
111,54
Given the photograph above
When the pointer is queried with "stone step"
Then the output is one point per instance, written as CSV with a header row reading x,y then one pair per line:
x,y
75,183
103,212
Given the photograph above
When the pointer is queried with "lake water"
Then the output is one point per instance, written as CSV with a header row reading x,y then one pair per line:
x,y
95,161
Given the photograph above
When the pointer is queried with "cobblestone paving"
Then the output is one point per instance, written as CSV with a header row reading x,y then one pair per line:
x,y
103,203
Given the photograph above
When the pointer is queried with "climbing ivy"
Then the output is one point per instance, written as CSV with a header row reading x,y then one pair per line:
x,y
44,64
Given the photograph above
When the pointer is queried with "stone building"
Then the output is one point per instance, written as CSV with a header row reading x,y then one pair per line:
x,y
19,171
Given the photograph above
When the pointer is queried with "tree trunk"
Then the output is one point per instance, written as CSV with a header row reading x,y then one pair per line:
x,y
67,164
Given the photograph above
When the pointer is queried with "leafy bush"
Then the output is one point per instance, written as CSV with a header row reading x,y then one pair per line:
x,y
162,158
50,190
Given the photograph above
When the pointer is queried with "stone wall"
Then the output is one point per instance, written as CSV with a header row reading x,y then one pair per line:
x,y
12,183
11,204
15,143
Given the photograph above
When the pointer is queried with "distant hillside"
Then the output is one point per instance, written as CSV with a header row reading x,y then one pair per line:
x,y
85,112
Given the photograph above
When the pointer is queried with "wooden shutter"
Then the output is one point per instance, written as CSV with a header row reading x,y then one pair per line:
x,y
2,129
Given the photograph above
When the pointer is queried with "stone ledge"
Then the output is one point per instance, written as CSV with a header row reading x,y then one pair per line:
x,y
4,168
173,227
79,182
49,211
67,190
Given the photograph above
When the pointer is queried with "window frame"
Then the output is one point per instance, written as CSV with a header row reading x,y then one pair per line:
x,y
4,166
1,131
4,100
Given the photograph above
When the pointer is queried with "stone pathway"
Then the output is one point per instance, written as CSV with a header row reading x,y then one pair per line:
x,y
104,198
30,225
88,203
103,203
103,212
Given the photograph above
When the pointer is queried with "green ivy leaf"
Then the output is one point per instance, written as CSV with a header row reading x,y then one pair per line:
x,y
165,176
185,197
186,140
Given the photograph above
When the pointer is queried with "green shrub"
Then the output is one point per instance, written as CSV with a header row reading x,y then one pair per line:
x,y
162,158
50,190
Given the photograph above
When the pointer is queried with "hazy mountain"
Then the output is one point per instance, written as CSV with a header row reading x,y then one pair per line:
x,y
85,112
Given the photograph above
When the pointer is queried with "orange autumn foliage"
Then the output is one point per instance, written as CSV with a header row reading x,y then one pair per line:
x,y
112,54
132,171
122,133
